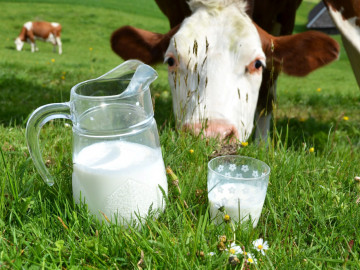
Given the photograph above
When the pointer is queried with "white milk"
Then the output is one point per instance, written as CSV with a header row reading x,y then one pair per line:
x,y
120,179
229,195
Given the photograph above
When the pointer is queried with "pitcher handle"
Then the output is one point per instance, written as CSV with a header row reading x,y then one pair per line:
x,y
36,120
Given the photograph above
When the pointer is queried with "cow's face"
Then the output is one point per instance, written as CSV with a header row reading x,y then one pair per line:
x,y
215,64
19,44
216,59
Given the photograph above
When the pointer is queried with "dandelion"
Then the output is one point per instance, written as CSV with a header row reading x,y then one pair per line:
x,y
260,245
63,77
53,60
226,218
90,49
244,144
319,89
311,150
302,119
191,151
346,118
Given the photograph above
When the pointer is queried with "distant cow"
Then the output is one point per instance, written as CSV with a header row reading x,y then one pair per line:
x,y
346,16
46,31
218,57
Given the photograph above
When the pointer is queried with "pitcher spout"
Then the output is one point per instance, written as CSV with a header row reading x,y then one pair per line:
x,y
139,74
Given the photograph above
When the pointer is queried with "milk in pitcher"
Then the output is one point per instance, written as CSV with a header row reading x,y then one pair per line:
x,y
120,179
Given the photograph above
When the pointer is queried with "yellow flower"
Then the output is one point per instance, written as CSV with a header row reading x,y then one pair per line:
x,y
311,150
63,72
302,119
90,49
63,77
244,144
319,89
53,60
191,151
226,218
346,118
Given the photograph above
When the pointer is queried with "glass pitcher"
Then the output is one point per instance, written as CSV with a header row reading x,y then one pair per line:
x,y
117,161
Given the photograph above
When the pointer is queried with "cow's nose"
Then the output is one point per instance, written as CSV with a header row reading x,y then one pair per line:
x,y
215,129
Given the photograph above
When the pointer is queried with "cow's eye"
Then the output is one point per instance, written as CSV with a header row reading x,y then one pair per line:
x,y
171,61
258,64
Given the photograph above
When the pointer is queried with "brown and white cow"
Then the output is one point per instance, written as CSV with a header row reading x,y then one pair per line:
x,y
346,16
216,59
49,32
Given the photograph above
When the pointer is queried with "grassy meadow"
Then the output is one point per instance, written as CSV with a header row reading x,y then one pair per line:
x,y
311,215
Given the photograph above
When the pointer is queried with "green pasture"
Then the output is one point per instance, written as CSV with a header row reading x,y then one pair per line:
x,y
311,215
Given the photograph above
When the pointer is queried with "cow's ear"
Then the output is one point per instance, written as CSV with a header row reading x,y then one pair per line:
x,y
299,54
134,43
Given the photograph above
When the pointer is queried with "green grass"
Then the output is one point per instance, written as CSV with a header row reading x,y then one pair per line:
x,y
311,214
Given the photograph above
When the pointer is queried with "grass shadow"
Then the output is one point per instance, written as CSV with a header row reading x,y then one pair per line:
x,y
19,97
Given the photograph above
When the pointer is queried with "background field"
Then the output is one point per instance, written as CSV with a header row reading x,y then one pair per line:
x,y
311,215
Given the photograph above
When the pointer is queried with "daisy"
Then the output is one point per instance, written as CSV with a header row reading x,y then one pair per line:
x,y
234,249
260,245
251,258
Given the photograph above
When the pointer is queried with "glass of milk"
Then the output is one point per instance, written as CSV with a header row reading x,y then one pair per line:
x,y
118,169
237,185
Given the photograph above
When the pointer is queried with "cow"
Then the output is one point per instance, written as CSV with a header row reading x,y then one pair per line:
x,y
346,16
49,32
216,59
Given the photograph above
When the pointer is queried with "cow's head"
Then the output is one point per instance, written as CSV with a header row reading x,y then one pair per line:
x,y
19,44
215,61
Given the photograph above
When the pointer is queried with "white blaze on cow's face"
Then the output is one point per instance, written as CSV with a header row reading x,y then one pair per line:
x,y
215,69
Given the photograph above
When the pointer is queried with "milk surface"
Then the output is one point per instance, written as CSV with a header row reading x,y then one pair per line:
x,y
250,198
120,179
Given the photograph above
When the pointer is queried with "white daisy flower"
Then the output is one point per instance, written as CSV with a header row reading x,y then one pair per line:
x,y
211,253
260,245
251,258
244,168
232,167
234,249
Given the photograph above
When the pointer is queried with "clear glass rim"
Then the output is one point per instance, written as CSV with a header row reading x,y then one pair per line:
x,y
239,178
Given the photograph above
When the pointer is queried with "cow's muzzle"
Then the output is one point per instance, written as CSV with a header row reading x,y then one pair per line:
x,y
220,129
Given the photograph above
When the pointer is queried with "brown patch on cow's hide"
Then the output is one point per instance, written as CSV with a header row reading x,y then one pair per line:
x,y
347,8
225,149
